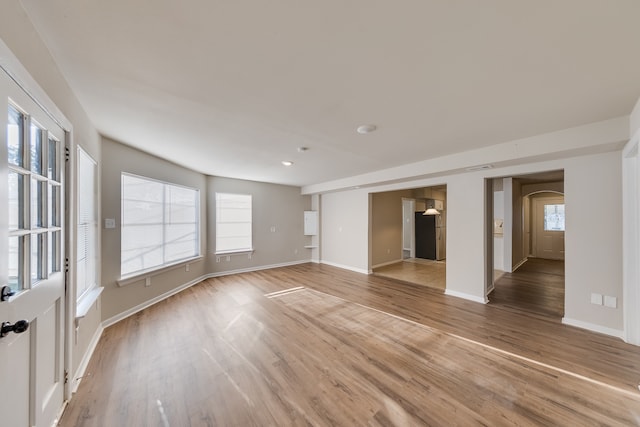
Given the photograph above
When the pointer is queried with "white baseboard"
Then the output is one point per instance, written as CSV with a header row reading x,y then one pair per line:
x,y
593,327
152,301
82,367
518,265
258,268
469,297
345,267
386,263
133,310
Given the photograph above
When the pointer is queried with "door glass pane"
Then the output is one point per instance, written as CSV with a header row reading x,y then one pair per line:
x,y
37,203
16,201
36,149
37,249
53,205
15,137
16,258
53,160
553,217
54,252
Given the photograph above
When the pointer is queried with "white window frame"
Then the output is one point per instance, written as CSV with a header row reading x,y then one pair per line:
x,y
127,277
221,213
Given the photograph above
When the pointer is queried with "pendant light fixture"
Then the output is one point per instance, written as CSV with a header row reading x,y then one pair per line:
x,y
431,211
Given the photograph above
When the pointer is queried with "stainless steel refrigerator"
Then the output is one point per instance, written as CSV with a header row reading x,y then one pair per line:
x,y
430,236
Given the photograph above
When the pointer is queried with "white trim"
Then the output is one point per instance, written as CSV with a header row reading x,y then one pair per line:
x,y
141,275
520,264
463,295
345,267
384,264
82,367
19,74
631,240
86,301
118,317
258,268
593,327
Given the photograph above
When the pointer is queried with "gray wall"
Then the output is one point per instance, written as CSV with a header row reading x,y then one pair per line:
x,y
386,226
273,205
118,158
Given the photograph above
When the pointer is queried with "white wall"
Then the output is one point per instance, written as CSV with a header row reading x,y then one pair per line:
x,y
593,240
345,229
465,236
593,253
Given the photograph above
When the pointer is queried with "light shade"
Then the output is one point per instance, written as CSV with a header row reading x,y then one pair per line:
x,y
431,211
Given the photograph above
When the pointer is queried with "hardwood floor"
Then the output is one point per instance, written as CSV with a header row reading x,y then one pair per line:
x,y
317,345
536,287
420,272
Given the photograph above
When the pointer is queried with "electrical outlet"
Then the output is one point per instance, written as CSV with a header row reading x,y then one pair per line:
x,y
147,282
611,302
273,228
109,223
187,267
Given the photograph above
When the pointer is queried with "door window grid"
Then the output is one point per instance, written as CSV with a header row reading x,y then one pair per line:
x,y
33,201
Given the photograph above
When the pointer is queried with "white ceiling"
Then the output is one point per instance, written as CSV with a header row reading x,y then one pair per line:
x,y
232,88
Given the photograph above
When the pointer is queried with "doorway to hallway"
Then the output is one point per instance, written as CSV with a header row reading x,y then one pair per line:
x,y
528,244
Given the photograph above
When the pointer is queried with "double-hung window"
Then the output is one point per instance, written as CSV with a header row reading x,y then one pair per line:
x,y
160,224
233,223
87,240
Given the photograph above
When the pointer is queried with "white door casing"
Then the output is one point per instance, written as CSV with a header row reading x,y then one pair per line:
x,y
32,369
547,244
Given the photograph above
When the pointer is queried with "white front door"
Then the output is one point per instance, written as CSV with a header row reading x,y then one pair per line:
x,y
548,225
31,260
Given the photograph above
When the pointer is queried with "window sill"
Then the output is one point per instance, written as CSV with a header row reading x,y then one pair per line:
x,y
139,275
229,254
86,302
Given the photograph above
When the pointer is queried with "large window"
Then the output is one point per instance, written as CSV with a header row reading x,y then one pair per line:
x,y
160,224
87,224
233,223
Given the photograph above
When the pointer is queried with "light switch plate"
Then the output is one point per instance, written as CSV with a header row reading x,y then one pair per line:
x,y
596,299
611,302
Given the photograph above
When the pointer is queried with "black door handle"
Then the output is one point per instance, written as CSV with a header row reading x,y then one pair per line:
x,y
19,327
6,293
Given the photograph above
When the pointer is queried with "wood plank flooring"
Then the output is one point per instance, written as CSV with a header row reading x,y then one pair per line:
x,y
536,287
341,348
420,272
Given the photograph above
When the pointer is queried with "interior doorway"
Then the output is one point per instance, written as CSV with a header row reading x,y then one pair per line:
x,y
408,235
528,244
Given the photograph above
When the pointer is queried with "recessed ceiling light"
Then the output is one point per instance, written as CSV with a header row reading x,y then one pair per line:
x,y
364,129
287,163
302,149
